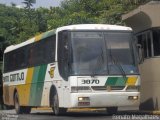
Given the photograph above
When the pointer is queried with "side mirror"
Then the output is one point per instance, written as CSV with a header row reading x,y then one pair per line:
x,y
140,53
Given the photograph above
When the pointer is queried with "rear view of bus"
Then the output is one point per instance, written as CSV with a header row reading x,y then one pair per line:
x,y
99,67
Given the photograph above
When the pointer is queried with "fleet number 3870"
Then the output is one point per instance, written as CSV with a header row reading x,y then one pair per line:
x,y
94,81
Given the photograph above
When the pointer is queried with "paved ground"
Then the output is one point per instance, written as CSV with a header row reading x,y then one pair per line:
x,y
123,114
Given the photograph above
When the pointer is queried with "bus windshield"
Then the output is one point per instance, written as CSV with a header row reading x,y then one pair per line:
x,y
102,53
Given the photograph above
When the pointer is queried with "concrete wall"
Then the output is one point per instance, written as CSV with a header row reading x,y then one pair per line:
x,y
143,18
150,84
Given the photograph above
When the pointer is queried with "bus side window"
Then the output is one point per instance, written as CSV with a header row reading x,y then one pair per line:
x,y
63,50
30,57
50,49
6,63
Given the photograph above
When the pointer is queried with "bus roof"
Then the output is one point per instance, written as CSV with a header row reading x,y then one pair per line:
x,y
94,27
69,27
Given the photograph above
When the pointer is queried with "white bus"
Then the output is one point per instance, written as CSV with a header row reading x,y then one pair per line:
x,y
76,66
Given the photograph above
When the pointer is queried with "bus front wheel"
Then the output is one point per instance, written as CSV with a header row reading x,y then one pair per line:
x,y
112,110
57,110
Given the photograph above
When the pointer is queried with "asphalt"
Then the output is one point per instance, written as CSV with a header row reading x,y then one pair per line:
x,y
84,114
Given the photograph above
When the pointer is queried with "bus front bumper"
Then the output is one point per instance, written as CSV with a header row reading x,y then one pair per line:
x,y
104,99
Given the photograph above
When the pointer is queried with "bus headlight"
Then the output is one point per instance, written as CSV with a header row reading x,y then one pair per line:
x,y
80,89
83,101
133,97
80,98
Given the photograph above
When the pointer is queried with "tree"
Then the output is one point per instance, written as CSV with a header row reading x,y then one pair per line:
x,y
29,3
13,4
18,25
28,8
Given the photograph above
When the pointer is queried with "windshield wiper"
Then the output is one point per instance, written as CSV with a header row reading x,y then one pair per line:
x,y
99,62
115,61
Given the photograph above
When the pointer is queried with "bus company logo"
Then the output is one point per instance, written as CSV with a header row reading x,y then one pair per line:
x,y
51,72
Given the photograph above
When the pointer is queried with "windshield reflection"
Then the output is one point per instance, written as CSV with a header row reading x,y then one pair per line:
x,y
92,51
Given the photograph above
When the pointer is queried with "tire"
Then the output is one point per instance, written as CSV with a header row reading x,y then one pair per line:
x,y
26,110
17,106
112,110
19,109
56,109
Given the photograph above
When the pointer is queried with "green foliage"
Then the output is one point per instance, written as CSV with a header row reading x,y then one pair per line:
x,y
91,11
18,25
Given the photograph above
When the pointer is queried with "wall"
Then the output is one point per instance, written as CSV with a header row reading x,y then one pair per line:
x,y
150,84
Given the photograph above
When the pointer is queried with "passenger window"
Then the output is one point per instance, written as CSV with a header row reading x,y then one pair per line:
x,y
149,44
145,41
35,54
156,42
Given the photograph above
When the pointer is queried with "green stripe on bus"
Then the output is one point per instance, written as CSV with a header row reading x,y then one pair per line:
x,y
39,89
121,81
37,85
44,35
47,34
116,81
111,81
33,85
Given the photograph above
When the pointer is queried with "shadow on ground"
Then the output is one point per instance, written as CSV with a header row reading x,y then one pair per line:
x,y
93,113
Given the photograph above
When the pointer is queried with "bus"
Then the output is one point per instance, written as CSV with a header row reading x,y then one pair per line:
x,y
75,66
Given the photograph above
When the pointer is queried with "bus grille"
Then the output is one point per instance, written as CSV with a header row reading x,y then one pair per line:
x,y
98,88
